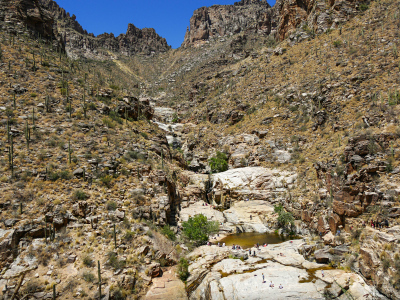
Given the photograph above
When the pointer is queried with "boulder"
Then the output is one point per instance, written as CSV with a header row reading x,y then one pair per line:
x,y
154,270
334,222
322,256
78,172
329,239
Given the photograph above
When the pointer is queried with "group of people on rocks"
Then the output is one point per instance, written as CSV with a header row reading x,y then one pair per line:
x,y
271,285
376,224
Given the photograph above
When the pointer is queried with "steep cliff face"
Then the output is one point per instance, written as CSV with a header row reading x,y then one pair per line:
x,y
49,20
224,20
30,12
78,42
258,17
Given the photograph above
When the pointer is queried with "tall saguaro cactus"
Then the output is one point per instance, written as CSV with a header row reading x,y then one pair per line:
x,y
69,151
11,156
99,275
115,238
27,135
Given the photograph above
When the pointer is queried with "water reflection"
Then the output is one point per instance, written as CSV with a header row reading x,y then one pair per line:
x,y
248,239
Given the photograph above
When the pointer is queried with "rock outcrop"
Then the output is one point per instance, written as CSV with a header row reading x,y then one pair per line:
x,y
46,18
258,17
224,20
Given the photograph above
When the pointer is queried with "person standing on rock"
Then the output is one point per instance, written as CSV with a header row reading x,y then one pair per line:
x,y
249,251
263,278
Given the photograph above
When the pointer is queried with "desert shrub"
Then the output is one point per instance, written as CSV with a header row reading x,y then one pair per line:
x,y
337,43
80,195
114,116
106,180
88,276
111,205
129,235
168,232
114,261
88,261
363,7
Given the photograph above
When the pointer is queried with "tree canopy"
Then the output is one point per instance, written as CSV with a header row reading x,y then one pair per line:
x,y
198,228
219,162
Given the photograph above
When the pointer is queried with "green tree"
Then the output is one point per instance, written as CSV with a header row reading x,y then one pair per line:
x,y
219,163
284,218
198,229
183,269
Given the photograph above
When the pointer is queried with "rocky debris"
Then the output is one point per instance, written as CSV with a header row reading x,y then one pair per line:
x,y
154,270
133,108
168,287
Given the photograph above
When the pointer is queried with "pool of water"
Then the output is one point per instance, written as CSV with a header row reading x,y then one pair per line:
x,y
248,239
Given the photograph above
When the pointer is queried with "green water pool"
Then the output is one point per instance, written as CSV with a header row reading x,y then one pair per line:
x,y
248,239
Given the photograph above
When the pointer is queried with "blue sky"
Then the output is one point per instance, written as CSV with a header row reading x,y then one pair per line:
x,y
168,17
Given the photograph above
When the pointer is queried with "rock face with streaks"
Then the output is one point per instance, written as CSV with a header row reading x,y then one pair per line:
x,y
279,21
46,18
225,20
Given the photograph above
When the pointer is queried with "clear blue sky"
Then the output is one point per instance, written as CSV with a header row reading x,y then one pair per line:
x,y
168,17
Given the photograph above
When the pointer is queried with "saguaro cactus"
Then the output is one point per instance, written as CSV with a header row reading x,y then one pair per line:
x,y
27,135
99,275
69,151
11,156
115,238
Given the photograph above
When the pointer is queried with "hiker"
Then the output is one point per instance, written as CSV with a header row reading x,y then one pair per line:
x,y
223,244
254,253
387,223
251,218
233,247
250,251
263,277
322,271
280,286
219,245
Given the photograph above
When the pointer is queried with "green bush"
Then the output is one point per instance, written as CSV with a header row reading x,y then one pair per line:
x,y
114,262
65,174
337,43
198,228
106,180
168,232
183,269
284,218
88,277
219,163
111,205
363,7
92,106
114,116
80,195
88,261
129,235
